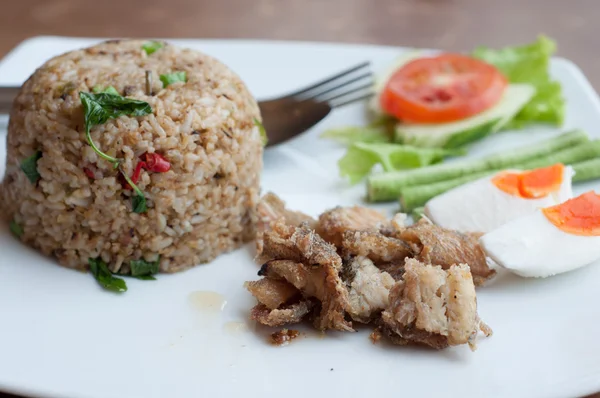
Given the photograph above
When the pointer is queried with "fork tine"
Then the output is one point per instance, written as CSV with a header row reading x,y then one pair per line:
x,y
343,102
347,91
346,83
331,79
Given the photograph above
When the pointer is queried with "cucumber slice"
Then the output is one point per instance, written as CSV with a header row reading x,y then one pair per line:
x,y
462,132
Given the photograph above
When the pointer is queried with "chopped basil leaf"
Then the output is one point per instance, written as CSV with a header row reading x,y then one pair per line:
x,y
104,277
152,46
263,132
108,90
140,268
100,107
16,229
29,167
138,203
174,77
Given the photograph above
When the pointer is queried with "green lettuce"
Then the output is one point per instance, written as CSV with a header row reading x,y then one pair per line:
x,y
378,131
530,64
361,157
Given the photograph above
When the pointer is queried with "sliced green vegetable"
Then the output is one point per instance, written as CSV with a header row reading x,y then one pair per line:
x,y
263,132
387,186
100,107
586,170
29,167
108,90
151,47
104,277
583,158
571,155
463,132
175,77
361,157
142,268
417,213
16,229
530,64
417,195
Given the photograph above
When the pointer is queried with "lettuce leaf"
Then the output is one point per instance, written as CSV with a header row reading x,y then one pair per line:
x,y
379,130
530,64
361,157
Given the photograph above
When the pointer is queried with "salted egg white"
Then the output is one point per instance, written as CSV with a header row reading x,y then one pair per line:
x,y
485,204
548,241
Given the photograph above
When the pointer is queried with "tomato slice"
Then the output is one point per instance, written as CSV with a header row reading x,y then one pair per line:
x,y
443,88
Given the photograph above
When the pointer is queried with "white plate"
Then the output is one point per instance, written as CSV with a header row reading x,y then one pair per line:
x,y
62,336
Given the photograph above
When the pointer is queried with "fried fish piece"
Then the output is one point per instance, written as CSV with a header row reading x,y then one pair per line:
x,y
335,222
375,246
272,292
301,244
321,282
286,315
439,246
368,289
433,306
272,209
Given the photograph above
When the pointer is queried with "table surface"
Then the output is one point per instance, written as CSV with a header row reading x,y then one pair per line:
x,y
449,24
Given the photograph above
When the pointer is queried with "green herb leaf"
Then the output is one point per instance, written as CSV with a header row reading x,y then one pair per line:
x,y
174,77
145,278
140,268
16,229
100,107
263,132
152,46
104,277
530,64
379,130
109,90
362,156
138,202
29,167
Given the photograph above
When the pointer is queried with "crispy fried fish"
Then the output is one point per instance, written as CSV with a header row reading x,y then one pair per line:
x,y
433,306
335,222
303,259
439,246
368,289
272,209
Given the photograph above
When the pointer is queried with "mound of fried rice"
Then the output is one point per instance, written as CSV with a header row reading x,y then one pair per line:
x,y
203,206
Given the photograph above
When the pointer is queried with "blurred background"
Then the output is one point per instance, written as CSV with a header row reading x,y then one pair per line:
x,y
448,24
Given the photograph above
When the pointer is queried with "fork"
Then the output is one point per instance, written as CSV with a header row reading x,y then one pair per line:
x,y
290,115
287,116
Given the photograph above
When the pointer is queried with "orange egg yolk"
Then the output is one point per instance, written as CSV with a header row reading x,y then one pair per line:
x,y
532,184
577,216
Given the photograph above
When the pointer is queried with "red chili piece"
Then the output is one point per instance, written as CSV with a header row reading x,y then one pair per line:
x,y
156,163
135,176
89,173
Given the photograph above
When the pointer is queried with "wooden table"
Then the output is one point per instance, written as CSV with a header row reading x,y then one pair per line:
x,y
448,24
